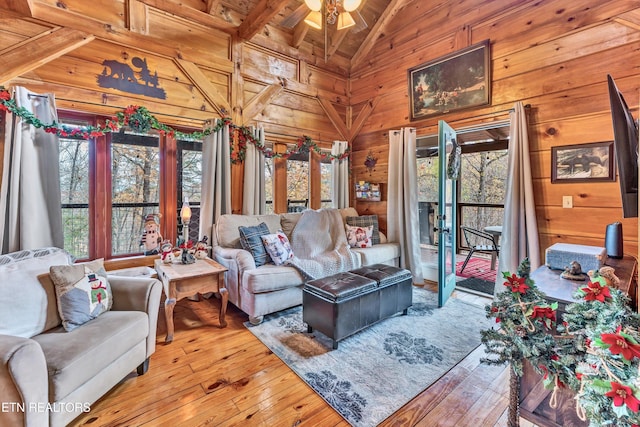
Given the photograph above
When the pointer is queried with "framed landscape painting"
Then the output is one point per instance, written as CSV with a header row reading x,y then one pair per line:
x,y
453,82
583,163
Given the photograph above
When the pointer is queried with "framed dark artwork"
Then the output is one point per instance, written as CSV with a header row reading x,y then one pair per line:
x,y
453,82
583,163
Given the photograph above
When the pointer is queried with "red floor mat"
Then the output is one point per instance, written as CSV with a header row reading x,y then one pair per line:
x,y
477,267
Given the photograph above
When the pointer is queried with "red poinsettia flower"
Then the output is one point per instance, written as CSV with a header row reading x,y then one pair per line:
x,y
622,394
596,292
543,313
130,110
619,344
517,284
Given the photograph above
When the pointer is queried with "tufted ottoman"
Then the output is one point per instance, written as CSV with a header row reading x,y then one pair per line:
x,y
345,303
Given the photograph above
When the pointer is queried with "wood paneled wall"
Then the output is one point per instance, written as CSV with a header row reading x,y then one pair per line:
x,y
552,55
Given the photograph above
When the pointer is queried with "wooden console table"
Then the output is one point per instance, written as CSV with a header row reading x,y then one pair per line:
x,y
534,398
183,280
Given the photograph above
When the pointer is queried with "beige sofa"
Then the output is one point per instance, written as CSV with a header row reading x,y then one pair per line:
x,y
49,376
269,288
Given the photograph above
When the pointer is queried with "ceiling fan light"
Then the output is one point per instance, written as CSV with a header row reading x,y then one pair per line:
x,y
314,19
345,20
350,5
314,5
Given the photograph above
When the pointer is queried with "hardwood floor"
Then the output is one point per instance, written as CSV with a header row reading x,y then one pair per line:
x,y
226,377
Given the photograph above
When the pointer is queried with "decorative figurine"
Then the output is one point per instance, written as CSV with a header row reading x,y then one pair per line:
x,y
574,272
202,249
605,276
166,254
187,255
151,237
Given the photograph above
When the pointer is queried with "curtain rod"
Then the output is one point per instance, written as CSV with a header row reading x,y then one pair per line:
x,y
510,110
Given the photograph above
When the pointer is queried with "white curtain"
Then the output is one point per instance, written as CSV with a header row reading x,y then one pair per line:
x,y
253,196
340,173
519,227
402,205
216,179
30,211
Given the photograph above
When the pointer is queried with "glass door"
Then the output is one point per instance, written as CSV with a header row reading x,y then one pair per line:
x,y
449,169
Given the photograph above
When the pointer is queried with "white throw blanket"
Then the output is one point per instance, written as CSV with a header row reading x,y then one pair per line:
x,y
319,244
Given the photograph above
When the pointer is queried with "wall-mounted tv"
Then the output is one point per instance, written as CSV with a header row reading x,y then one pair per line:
x,y
625,136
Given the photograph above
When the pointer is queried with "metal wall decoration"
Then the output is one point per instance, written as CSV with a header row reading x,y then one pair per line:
x,y
121,76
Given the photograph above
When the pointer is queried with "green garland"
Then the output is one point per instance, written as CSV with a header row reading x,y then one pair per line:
x,y
596,352
140,120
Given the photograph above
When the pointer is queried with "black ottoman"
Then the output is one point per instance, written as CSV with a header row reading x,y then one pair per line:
x,y
395,286
340,305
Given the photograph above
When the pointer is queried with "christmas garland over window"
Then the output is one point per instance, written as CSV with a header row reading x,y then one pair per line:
x,y
140,120
595,352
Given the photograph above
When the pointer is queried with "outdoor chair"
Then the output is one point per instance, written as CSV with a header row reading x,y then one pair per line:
x,y
479,241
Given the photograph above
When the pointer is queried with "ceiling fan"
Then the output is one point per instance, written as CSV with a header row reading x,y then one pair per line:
x,y
318,12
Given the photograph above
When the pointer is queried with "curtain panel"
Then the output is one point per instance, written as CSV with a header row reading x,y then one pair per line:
x,y
519,226
253,195
340,173
30,205
402,206
216,179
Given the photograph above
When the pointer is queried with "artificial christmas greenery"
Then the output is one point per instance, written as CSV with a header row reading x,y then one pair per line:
x,y
595,350
140,120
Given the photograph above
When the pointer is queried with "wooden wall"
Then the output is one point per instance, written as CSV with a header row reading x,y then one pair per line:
x,y
554,55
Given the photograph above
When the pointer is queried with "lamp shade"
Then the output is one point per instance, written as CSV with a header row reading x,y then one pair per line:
x,y
314,5
350,5
345,21
314,20
185,211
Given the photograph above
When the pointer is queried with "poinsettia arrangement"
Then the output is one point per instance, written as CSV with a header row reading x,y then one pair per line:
x,y
595,351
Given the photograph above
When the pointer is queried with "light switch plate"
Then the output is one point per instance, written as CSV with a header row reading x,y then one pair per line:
x,y
567,201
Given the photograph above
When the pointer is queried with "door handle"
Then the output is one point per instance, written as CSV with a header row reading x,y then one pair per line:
x,y
443,229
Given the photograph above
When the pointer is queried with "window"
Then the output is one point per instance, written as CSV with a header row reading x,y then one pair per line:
x,y
268,184
298,182
189,157
326,183
135,188
110,183
75,192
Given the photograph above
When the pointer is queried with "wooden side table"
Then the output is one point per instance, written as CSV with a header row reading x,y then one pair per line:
x,y
183,280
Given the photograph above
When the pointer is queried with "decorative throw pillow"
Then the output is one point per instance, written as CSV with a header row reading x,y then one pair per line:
x,y
250,239
364,221
359,237
83,292
278,247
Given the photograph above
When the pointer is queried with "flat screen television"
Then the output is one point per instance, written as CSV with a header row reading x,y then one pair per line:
x,y
625,135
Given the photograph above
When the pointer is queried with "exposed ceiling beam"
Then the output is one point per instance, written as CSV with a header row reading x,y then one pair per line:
x,y
39,50
260,15
212,6
363,115
204,85
299,33
377,31
336,40
21,7
259,102
335,118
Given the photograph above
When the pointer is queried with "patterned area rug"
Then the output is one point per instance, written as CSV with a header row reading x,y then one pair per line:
x,y
376,371
477,267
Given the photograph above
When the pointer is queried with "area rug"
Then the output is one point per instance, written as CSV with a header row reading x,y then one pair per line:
x,y
477,285
375,372
477,267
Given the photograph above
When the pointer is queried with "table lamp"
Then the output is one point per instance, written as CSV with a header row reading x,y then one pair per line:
x,y
185,215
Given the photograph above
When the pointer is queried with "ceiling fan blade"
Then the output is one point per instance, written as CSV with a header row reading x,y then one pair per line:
x,y
361,24
295,17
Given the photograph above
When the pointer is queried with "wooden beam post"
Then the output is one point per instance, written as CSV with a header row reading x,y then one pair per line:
x,y
208,90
